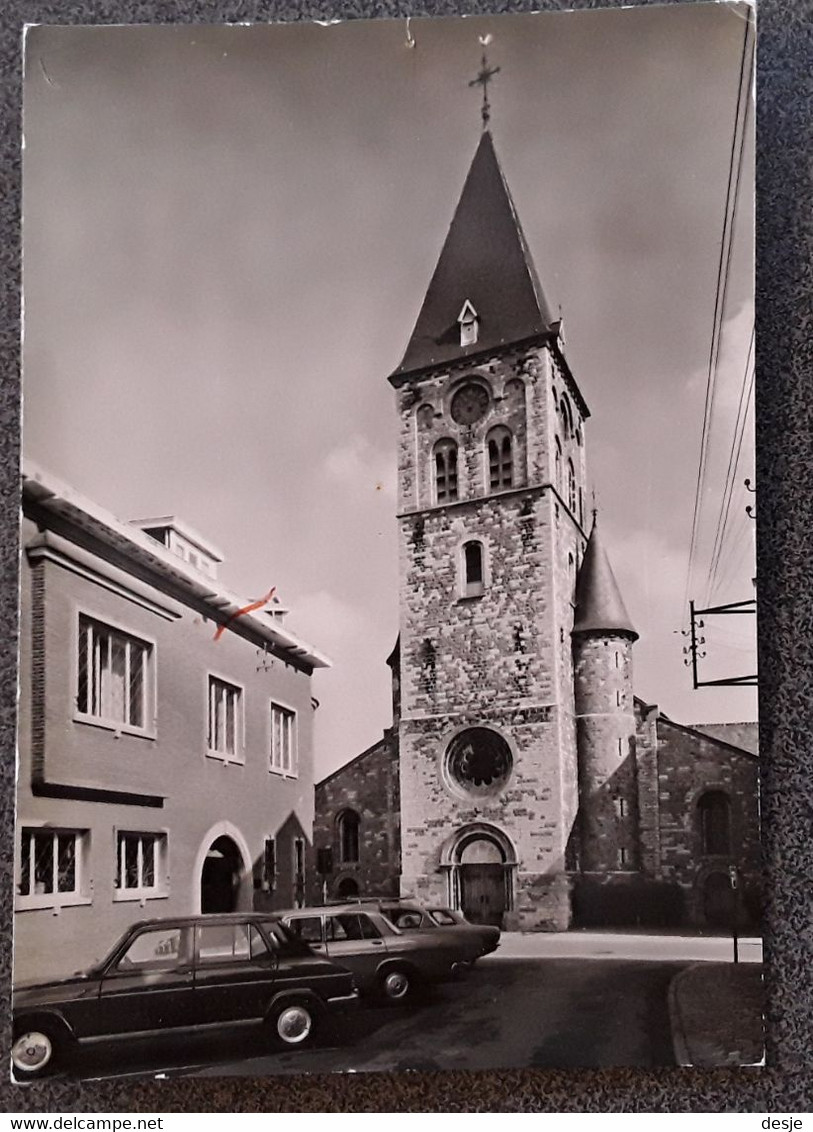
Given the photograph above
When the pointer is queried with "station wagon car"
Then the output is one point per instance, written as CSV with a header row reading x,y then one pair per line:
x,y
176,975
385,961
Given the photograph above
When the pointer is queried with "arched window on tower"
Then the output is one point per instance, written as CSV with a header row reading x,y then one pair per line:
x,y
571,487
714,811
558,468
347,825
567,417
445,471
473,569
500,458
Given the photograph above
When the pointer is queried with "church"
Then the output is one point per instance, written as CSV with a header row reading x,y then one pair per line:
x,y
522,780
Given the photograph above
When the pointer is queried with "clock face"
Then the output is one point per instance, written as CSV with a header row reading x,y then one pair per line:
x,y
470,404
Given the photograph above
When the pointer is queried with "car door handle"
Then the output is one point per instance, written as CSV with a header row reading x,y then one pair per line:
x,y
378,942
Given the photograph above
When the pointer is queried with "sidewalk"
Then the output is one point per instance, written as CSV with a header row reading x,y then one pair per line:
x,y
715,1010
649,947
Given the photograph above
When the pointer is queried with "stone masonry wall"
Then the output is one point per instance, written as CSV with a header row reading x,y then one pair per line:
x,y
501,659
369,786
689,764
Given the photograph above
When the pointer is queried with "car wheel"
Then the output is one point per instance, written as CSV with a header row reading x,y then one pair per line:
x,y
34,1053
293,1023
397,984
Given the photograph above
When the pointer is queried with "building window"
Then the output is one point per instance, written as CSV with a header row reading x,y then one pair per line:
x,y
500,459
348,829
558,467
445,471
140,864
473,573
51,867
224,717
620,805
714,809
269,877
283,740
478,762
571,487
622,858
567,418
112,673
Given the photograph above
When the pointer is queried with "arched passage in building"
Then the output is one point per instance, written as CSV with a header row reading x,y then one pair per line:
x,y
481,863
347,888
224,868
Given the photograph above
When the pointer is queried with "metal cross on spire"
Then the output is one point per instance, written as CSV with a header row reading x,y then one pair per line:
x,y
483,79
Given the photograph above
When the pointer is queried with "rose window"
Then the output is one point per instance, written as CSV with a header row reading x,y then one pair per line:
x,y
478,761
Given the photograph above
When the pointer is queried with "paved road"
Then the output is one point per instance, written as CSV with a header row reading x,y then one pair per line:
x,y
507,1013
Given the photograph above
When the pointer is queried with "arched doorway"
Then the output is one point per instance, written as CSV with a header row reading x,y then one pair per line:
x,y
220,876
347,888
718,900
481,862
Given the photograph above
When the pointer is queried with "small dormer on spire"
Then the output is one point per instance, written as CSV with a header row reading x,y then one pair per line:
x,y
469,325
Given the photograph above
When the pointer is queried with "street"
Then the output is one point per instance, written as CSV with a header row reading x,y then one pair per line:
x,y
545,1000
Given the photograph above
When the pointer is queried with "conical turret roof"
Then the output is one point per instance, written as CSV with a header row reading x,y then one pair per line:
x,y
599,605
485,261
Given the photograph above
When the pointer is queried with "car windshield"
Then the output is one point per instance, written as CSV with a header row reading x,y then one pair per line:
x,y
387,927
442,916
284,939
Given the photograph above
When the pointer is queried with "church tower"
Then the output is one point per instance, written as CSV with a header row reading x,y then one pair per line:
x,y
491,478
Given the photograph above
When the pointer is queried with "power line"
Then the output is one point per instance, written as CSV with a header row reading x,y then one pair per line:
x,y
732,189
731,470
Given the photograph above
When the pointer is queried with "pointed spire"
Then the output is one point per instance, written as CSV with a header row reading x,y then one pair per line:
x,y
599,605
485,261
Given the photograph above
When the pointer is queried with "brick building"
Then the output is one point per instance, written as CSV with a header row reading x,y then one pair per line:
x,y
161,771
532,785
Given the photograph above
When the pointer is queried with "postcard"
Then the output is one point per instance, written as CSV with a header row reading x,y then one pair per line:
x,y
388,644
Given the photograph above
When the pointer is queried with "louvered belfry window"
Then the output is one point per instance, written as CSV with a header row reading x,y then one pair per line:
x,y
445,471
500,459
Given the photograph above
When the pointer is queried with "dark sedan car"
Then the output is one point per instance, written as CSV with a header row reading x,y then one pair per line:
x,y
174,975
409,915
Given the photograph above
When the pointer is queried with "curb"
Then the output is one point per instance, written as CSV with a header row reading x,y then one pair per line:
x,y
679,1044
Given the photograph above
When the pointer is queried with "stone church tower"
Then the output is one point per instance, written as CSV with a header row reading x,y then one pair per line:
x,y
522,782
491,476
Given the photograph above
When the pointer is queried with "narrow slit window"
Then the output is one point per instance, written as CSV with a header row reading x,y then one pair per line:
x,y
348,824
473,573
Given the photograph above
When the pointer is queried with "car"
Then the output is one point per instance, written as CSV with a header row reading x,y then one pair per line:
x,y
386,962
174,975
410,915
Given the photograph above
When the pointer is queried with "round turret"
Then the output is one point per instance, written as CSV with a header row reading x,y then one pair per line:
x,y
603,637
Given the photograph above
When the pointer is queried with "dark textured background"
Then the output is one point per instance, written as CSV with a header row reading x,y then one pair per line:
x,y
785,506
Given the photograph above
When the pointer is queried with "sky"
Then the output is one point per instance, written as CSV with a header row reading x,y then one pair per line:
x,y
229,231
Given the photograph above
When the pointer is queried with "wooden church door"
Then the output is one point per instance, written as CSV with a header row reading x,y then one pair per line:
x,y
482,882
482,893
